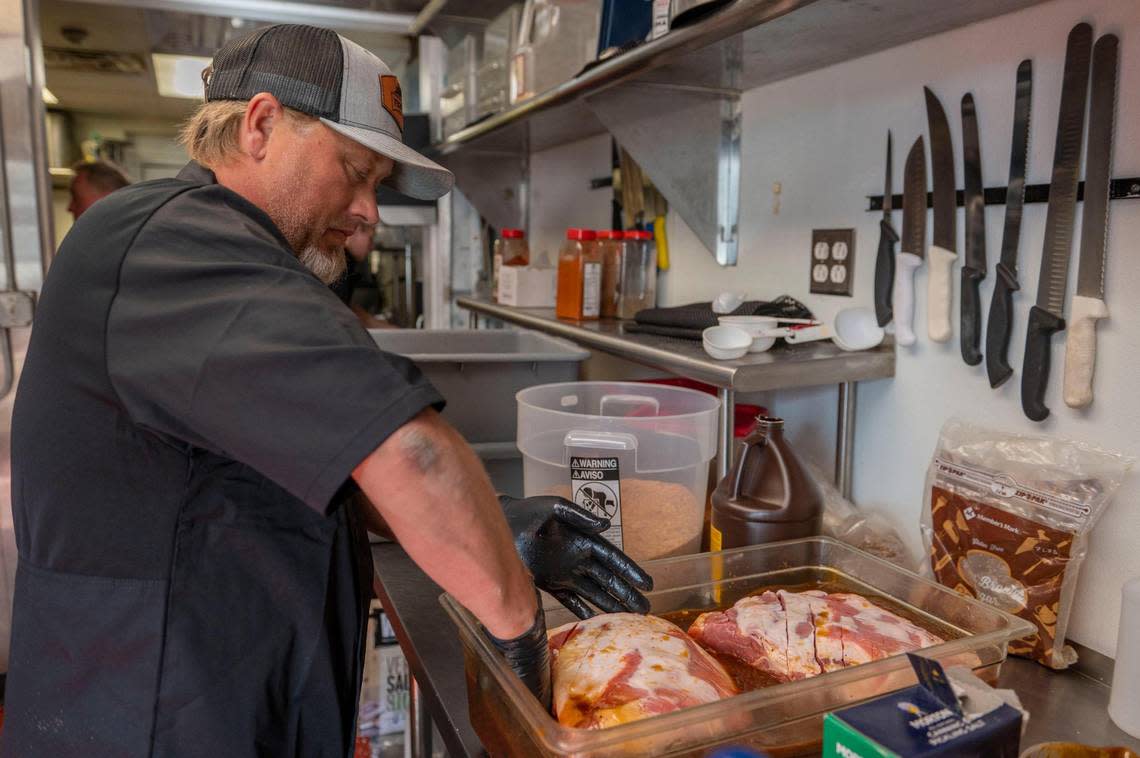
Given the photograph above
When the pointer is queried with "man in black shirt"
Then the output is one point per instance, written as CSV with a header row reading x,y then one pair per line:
x,y
193,577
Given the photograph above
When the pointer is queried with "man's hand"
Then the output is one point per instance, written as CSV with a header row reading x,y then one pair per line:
x,y
528,655
562,546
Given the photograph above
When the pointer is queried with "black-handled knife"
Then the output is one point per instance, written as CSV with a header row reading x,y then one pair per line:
x,y
1035,371
999,325
974,268
885,260
1048,315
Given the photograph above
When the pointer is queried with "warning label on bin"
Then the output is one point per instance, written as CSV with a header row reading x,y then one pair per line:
x,y
596,486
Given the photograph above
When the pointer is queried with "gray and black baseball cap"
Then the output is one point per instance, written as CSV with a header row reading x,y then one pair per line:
x,y
318,72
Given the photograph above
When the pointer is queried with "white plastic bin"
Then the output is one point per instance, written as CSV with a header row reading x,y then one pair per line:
x,y
636,453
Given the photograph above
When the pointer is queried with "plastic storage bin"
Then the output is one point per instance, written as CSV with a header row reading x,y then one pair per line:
x,y
478,372
500,40
784,719
635,453
457,101
557,39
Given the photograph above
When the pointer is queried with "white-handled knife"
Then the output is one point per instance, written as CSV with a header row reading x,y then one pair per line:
x,y
1088,303
912,243
943,251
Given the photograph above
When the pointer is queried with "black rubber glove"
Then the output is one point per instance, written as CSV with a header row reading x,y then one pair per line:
x,y
528,655
562,546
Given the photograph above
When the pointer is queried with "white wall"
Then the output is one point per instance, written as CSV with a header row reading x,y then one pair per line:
x,y
822,136
561,197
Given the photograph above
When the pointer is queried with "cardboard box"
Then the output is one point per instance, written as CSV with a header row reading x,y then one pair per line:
x,y
926,721
527,286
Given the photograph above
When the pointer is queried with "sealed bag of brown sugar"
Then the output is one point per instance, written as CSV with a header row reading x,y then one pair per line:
x,y
1007,518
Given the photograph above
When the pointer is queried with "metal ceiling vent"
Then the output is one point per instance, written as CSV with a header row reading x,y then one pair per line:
x,y
93,61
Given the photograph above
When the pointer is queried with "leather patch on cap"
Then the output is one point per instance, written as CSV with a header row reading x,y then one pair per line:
x,y
392,99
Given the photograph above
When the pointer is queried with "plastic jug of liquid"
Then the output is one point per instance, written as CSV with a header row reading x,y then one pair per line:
x,y
768,495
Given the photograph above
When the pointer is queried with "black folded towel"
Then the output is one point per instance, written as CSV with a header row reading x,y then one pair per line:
x,y
688,321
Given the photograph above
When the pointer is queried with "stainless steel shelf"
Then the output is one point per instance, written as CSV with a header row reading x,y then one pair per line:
x,y
778,39
809,364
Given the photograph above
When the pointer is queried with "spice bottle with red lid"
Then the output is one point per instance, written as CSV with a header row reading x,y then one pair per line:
x,y
579,276
509,250
637,282
611,244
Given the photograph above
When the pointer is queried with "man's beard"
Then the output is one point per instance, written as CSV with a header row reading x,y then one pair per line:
x,y
303,235
326,266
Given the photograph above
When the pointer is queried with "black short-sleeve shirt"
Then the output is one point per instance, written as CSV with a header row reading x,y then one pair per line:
x,y
191,579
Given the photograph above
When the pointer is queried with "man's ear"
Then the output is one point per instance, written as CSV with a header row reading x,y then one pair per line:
x,y
263,113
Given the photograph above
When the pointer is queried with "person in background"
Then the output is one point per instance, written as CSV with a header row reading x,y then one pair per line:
x,y
357,288
93,181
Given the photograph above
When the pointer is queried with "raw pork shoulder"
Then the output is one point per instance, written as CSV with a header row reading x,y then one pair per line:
x,y
620,667
796,635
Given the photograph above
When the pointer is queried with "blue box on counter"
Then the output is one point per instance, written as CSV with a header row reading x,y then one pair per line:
x,y
923,721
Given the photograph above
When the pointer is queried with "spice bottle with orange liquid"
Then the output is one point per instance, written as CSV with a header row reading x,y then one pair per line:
x,y
579,276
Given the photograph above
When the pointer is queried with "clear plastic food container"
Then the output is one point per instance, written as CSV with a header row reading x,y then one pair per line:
x,y
635,453
783,719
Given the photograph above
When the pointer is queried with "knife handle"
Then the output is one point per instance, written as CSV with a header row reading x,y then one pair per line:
x,y
971,315
903,296
1080,349
999,325
885,272
939,288
1035,371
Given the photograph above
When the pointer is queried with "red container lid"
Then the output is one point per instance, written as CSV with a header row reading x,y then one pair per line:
x,y
611,234
636,234
512,234
581,234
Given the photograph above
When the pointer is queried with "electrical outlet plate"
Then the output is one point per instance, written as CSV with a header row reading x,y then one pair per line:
x,y
832,261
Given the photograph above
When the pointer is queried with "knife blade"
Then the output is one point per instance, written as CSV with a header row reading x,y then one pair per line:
x,y
1000,322
943,249
913,242
974,269
1088,304
885,260
1047,317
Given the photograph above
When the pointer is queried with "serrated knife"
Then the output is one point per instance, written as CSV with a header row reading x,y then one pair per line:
x,y
1088,303
913,242
1000,321
974,268
885,260
1047,317
943,250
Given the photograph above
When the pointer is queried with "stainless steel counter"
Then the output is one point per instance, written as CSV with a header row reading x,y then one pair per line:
x,y
812,363
1070,705
782,367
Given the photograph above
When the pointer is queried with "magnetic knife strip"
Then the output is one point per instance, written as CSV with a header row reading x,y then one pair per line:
x,y
1119,189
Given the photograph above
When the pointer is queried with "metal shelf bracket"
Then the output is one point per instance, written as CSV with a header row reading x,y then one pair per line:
x,y
687,140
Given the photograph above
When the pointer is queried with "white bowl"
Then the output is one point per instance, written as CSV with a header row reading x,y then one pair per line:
x,y
857,329
725,342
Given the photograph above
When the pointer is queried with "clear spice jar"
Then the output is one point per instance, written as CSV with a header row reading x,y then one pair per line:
x,y
509,250
579,276
611,245
637,285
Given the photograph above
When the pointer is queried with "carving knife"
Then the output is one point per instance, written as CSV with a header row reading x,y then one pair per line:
x,y
974,269
1000,322
1088,303
1047,317
913,242
943,249
885,261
